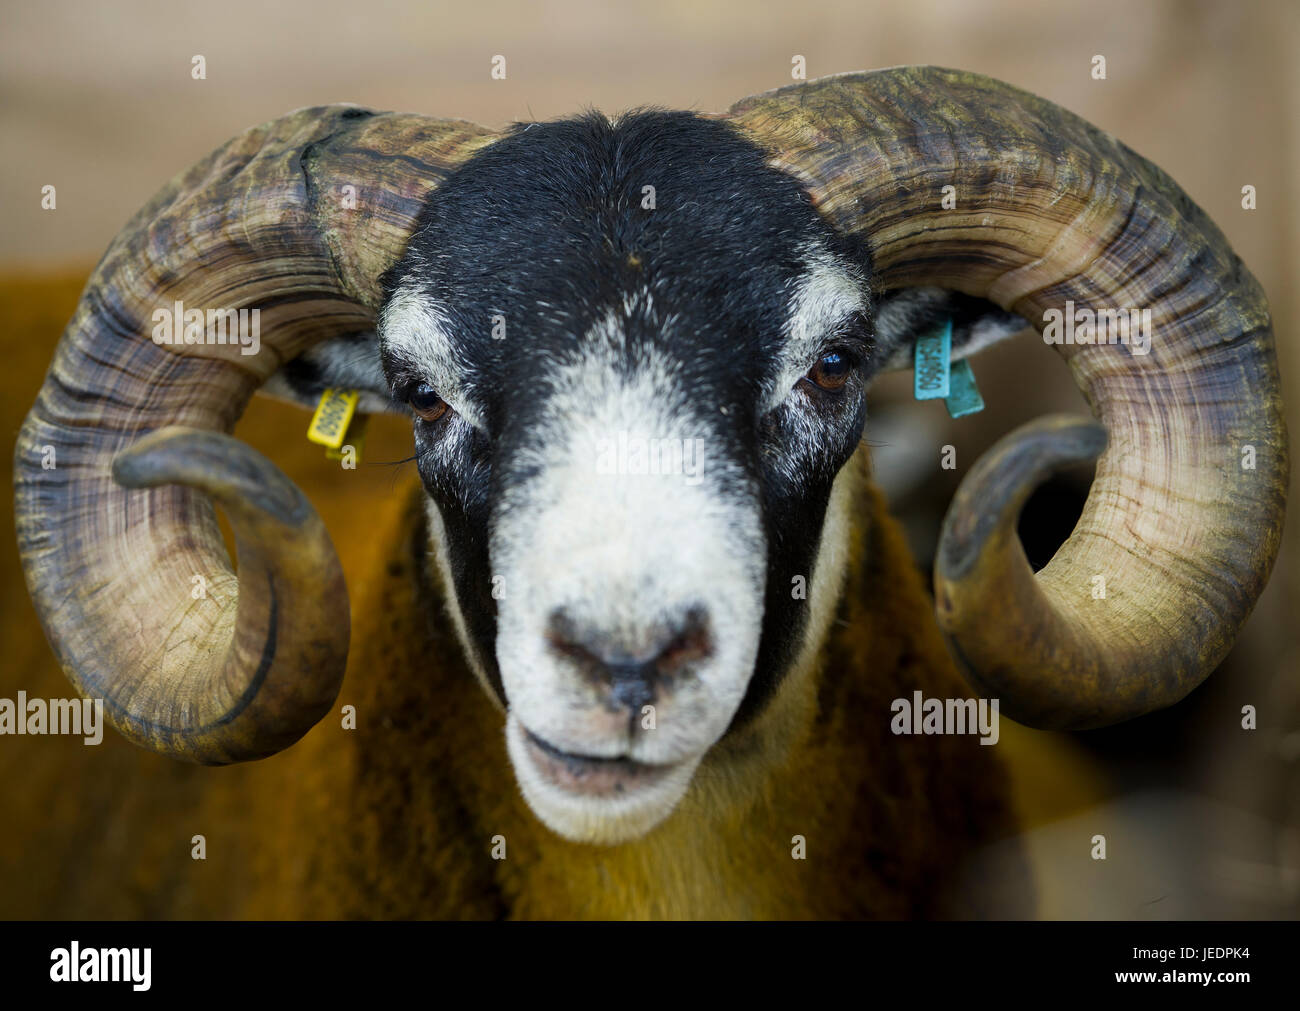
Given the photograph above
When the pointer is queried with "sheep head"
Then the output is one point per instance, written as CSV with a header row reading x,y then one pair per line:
x,y
713,293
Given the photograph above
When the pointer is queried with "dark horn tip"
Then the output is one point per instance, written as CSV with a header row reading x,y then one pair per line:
x,y
992,494
223,466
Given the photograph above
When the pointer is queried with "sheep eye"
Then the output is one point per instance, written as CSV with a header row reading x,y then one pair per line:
x,y
832,372
426,403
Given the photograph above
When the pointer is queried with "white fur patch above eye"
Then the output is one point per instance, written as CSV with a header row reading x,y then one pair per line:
x,y
829,292
415,327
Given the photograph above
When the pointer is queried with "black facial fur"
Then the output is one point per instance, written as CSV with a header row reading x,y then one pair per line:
x,y
548,231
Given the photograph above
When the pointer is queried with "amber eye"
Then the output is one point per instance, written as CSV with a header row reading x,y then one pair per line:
x,y
426,403
832,372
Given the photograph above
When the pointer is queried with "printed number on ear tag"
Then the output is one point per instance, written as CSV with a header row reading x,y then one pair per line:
x,y
355,437
336,423
937,376
933,353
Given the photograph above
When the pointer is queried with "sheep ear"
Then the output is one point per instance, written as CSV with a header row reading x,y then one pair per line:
x,y
345,363
905,314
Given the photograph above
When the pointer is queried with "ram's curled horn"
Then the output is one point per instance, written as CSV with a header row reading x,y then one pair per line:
x,y
299,219
1184,518
124,452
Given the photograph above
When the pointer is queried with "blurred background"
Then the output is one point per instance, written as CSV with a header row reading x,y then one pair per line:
x,y
1202,817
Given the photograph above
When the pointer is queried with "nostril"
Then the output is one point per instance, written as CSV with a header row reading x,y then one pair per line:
x,y
633,666
690,639
562,633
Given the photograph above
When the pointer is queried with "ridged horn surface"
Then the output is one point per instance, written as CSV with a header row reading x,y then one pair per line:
x,y
297,218
1183,521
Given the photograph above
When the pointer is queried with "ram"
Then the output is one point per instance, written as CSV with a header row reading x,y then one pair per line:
x,y
585,686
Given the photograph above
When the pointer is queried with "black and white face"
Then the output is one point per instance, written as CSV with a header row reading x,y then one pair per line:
x,y
637,360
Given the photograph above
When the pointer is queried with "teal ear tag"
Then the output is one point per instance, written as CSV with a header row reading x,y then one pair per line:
x,y
933,354
964,396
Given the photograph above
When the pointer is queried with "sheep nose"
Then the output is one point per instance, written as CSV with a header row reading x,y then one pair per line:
x,y
635,670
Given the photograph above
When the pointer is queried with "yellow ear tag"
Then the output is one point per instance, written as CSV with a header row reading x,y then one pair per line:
x,y
355,438
337,424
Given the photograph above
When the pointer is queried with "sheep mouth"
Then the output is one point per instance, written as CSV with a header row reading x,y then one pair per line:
x,y
589,776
